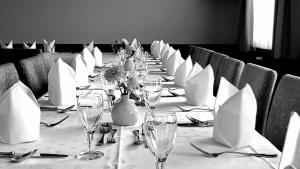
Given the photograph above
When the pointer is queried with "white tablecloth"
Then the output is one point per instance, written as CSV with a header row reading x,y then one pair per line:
x,y
69,138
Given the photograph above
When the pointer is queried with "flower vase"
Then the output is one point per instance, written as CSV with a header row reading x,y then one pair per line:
x,y
129,65
124,112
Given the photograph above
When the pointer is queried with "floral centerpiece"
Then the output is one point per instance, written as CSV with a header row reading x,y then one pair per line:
x,y
124,110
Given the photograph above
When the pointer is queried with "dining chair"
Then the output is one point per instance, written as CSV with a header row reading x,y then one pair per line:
x,y
9,76
195,53
262,81
216,59
33,72
286,100
186,51
66,57
231,69
204,57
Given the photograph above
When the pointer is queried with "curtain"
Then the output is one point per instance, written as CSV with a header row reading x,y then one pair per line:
x,y
282,30
246,25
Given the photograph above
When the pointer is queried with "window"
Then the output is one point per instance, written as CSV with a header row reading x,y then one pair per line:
x,y
263,18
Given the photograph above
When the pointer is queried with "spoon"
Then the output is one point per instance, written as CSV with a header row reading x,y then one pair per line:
x,y
54,124
111,138
104,129
18,158
137,139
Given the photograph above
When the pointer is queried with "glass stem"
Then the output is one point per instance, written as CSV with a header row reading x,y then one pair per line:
x,y
90,136
160,163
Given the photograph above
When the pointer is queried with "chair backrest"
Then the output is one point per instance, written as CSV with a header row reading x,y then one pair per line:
x,y
186,51
286,100
231,69
34,71
9,76
204,57
215,61
15,55
66,57
262,81
195,54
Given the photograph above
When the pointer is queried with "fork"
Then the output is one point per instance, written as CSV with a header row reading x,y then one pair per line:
x,y
201,123
54,124
18,158
195,108
213,155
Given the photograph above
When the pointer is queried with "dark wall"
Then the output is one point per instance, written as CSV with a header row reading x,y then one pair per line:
x,y
78,21
295,30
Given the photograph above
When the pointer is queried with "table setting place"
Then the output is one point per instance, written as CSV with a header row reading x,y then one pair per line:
x,y
138,110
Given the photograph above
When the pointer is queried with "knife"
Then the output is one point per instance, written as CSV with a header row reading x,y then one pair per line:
x,y
66,109
49,155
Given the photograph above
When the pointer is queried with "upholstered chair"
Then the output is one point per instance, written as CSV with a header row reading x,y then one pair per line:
x,y
195,54
204,57
33,72
262,81
215,60
231,69
286,100
8,75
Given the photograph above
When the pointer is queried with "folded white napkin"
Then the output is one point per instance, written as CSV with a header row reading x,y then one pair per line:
x,y
195,70
90,46
49,47
89,60
4,46
19,115
173,62
157,49
134,44
183,72
166,55
234,122
199,89
163,50
33,46
291,150
62,84
97,56
152,46
81,71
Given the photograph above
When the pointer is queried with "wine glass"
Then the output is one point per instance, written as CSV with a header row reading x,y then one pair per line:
x,y
160,132
152,92
90,110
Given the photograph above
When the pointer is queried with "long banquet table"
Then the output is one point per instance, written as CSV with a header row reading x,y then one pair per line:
x,y
69,138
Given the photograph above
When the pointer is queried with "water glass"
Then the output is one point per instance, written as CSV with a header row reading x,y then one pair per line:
x,y
160,132
90,110
151,92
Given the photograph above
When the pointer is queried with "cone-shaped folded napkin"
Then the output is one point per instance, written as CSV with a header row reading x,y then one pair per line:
x,y
291,150
157,49
81,71
134,44
97,56
19,115
152,46
33,46
183,72
173,62
166,56
4,46
225,91
90,46
88,59
195,70
199,89
62,84
234,123
49,47
163,50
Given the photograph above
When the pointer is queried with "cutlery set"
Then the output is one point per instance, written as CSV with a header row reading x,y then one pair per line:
x,y
137,139
213,155
56,123
19,157
106,128
55,108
